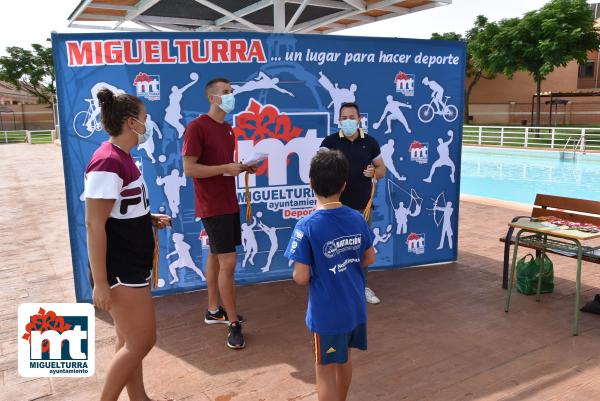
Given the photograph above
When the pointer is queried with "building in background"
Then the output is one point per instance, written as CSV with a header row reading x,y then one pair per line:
x,y
571,95
19,110
9,95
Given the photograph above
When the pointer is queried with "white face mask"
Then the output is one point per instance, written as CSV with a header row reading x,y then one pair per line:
x,y
349,127
227,103
146,135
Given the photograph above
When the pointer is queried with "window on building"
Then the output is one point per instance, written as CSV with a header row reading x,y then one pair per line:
x,y
587,69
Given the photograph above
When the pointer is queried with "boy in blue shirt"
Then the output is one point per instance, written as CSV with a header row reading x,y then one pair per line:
x,y
330,248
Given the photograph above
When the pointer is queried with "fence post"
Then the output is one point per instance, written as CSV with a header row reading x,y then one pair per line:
x,y
552,139
526,136
5,136
501,136
582,146
53,135
480,129
28,134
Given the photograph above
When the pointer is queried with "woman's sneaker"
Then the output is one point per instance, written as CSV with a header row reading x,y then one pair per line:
x,y
371,297
235,339
219,317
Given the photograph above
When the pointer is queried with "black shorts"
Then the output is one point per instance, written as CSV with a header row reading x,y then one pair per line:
x,y
224,232
131,276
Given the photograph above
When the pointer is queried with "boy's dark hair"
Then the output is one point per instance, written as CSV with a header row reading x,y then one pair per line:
x,y
214,81
350,104
328,172
116,108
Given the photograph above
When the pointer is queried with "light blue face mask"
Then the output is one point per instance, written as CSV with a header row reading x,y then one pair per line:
x,y
349,127
227,103
146,135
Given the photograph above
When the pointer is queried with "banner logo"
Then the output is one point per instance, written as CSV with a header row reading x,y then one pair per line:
x,y
147,86
56,340
405,83
416,243
204,239
419,152
290,140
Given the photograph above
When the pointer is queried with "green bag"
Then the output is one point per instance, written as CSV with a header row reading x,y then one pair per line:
x,y
527,275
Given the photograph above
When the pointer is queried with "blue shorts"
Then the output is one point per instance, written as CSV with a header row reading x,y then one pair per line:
x,y
333,348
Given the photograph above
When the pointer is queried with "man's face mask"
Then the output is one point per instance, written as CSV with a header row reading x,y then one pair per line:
x,y
227,103
349,126
146,134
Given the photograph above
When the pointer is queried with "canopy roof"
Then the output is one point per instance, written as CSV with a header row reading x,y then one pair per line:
x,y
294,16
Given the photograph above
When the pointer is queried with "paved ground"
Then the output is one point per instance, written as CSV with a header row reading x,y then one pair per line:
x,y
440,333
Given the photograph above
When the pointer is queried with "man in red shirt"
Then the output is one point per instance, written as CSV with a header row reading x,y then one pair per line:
x,y
208,157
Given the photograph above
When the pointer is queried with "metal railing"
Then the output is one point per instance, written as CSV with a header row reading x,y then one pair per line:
x,y
32,137
584,138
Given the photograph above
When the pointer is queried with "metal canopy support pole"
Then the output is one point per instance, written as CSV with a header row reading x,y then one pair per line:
x,y
78,11
227,13
358,4
245,11
279,16
296,15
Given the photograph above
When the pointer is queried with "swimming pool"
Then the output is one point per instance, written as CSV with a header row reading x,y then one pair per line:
x,y
518,175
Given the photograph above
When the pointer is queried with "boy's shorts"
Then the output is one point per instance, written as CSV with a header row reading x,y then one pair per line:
x,y
333,348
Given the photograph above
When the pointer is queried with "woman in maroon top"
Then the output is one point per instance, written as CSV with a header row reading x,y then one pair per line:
x,y
120,242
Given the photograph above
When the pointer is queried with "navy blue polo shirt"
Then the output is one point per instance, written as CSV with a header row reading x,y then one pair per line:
x,y
360,153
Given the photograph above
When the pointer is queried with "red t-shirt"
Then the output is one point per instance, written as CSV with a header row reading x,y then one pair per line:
x,y
214,144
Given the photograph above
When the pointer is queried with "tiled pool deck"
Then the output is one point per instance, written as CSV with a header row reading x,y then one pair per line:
x,y
439,334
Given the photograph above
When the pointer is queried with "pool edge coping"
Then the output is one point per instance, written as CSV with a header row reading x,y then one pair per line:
x,y
496,202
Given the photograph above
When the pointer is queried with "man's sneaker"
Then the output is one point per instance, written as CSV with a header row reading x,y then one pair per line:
x,y
371,297
235,339
219,317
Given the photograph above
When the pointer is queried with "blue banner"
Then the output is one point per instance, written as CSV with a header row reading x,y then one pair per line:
x,y
288,90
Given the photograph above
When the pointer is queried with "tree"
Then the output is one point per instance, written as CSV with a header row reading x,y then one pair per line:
x,y
479,64
551,37
31,71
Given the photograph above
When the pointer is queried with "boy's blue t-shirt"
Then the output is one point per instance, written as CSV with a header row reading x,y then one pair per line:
x,y
332,242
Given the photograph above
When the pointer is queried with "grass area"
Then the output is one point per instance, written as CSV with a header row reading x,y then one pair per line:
x,y
41,137
37,137
12,136
536,138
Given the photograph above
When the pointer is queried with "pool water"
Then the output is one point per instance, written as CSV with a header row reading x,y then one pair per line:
x,y
518,175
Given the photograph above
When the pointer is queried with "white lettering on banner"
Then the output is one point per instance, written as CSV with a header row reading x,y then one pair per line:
x,y
305,147
359,58
321,57
281,197
394,58
439,60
